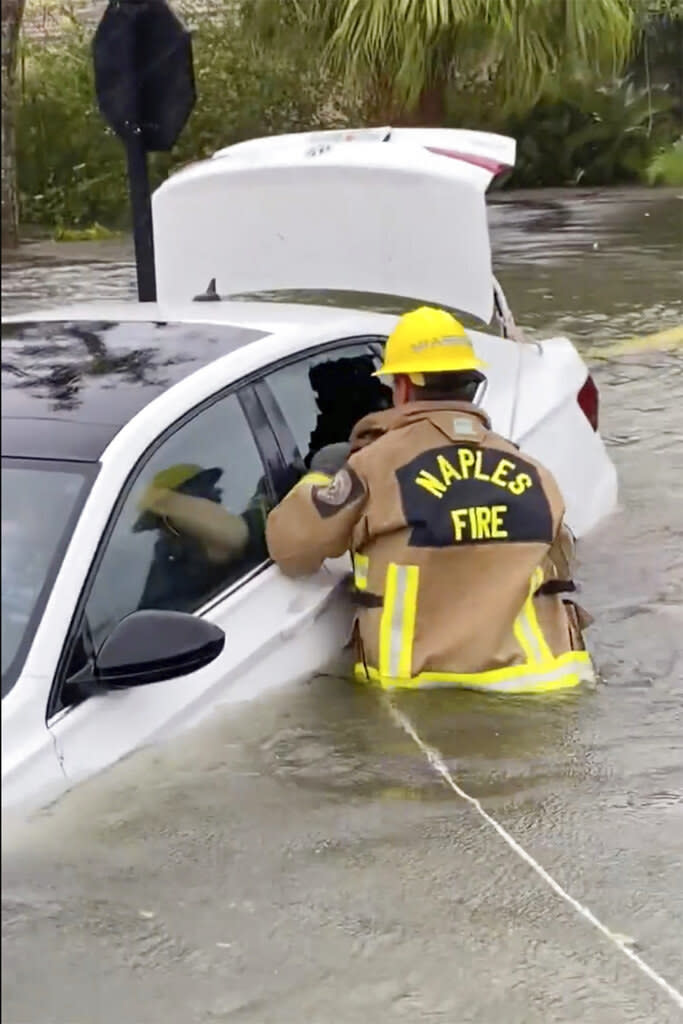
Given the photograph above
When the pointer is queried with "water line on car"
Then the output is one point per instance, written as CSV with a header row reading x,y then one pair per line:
x,y
436,761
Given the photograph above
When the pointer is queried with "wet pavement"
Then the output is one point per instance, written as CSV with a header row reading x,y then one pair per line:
x,y
298,860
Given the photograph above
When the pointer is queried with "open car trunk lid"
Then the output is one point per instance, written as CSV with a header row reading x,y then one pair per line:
x,y
389,214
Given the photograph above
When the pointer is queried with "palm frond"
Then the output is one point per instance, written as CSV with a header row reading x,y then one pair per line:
x,y
521,44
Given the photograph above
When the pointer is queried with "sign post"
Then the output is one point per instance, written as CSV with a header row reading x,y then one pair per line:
x,y
144,81
141,205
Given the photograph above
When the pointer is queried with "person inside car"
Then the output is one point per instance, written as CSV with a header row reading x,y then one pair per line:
x,y
200,543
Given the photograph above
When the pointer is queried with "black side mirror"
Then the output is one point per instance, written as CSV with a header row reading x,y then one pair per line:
x,y
150,646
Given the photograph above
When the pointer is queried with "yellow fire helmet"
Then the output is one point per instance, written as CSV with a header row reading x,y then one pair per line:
x,y
428,340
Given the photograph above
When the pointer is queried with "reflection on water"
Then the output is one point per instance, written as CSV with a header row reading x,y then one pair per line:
x,y
296,859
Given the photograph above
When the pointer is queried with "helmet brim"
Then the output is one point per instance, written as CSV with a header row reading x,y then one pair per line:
x,y
395,369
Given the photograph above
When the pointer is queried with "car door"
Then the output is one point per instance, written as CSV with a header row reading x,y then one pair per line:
x,y
225,454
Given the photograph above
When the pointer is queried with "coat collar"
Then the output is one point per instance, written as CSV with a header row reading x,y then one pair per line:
x,y
377,423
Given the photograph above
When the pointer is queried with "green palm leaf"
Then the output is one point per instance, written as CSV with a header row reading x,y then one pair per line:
x,y
519,45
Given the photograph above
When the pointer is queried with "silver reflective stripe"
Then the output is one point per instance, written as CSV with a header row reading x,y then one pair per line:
x,y
464,426
397,615
532,645
527,629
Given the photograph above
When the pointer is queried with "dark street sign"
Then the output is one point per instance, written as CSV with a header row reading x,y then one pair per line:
x,y
144,77
144,81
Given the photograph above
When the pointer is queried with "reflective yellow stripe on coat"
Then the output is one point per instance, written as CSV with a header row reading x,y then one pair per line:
x,y
569,670
541,672
528,633
315,478
397,625
361,567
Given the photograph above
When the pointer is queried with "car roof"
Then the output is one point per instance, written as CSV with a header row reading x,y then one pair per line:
x,y
73,376
268,314
69,385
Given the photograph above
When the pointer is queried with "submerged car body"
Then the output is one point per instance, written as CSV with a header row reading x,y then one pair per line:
x,y
99,398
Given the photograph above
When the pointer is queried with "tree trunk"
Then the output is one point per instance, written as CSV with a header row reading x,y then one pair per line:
x,y
430,110
12,13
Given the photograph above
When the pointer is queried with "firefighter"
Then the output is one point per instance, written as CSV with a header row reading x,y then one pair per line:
x,y
462,563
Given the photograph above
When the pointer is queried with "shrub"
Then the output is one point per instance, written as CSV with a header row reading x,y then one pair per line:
x,y
666,168
592,136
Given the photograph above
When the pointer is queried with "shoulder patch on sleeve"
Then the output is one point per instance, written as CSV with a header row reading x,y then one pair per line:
x,y
344,489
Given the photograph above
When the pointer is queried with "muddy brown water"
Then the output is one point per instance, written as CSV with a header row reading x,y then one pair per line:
x,y
297,860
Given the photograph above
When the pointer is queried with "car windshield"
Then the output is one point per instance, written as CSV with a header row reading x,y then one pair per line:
x,y
40,504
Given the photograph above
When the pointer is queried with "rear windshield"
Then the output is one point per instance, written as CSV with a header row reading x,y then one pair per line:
x,y
41,501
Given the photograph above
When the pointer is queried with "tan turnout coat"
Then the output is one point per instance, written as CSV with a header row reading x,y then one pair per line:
x,y
462,564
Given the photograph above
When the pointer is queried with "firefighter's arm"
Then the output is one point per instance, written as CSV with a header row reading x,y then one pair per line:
x,y
316,520
223,534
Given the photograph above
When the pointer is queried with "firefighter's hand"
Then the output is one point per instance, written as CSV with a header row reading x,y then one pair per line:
x,y
331,458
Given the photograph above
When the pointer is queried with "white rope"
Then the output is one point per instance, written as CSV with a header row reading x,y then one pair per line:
x,y
437,762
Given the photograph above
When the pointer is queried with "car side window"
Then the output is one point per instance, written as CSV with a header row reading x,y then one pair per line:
x,y
192,524
324,395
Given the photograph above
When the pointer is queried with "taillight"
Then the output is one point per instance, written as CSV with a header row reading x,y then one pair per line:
x,y
589,401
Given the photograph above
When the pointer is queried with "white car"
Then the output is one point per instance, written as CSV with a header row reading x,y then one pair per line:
x,y
111,638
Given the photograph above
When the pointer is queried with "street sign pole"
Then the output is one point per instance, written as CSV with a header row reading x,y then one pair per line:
x,y
141,203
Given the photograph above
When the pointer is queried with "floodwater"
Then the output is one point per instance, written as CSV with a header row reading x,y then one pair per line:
x,y
298,860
